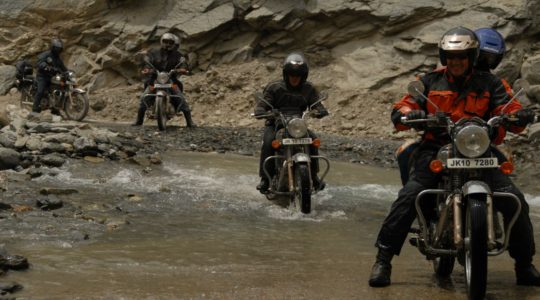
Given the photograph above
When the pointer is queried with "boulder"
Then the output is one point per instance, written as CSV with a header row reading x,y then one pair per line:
x,y
9,158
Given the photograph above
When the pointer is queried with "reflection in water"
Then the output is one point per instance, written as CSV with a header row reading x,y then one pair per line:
x,y
201,230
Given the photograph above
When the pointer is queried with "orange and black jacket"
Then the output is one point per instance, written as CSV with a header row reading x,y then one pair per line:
x,y
481,94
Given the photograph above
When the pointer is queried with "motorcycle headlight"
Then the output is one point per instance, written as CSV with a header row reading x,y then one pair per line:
x,y
472,141
162,78
297,128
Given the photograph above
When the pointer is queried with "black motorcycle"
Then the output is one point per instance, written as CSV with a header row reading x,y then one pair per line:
x,y
293,179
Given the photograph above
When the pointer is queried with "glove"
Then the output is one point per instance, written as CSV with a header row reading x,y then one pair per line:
x,y
259,111
321,114
525,116
173,73
416,114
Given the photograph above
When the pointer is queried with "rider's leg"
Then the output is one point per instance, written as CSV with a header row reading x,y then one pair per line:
x,y
521,245
183,106
142,109
266,151
42,86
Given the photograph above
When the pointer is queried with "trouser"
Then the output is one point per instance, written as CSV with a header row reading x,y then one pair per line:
x,y
266,151
402,213
42,85
180,104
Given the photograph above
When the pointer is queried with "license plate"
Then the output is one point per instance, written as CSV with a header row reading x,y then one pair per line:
x,y
162,86
472,163
303,141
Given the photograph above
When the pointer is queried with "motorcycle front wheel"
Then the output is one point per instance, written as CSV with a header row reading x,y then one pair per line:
x,y
476,248
76,106
161,114
302,195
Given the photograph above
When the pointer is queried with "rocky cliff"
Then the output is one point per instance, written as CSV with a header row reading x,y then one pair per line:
x,y
363,52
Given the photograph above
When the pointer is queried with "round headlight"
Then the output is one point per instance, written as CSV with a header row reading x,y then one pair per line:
x,y
297,128
162,78
472,141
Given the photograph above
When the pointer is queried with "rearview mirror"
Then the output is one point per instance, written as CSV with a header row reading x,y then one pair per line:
x,y
416,89
521,84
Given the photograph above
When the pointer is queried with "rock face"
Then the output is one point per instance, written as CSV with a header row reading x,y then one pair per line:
x,y
363,48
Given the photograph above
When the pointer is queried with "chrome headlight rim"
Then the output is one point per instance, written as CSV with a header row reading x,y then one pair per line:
x,y
71,77
162,78
472,141
297,128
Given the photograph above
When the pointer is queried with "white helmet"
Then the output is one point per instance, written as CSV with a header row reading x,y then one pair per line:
x,y
169,41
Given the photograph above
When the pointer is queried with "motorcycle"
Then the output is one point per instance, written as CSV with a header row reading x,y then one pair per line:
x,y
158,100
457,220
293,180
63,95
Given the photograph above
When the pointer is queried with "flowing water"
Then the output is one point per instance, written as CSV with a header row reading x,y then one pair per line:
x,y
196,228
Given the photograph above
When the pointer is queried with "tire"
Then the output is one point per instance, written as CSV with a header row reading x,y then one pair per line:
x,y
76,106
302,196
161,113
476,248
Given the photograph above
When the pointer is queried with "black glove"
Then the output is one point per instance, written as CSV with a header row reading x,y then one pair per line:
x,y
416,115
319,114
173,73
525,116
259,111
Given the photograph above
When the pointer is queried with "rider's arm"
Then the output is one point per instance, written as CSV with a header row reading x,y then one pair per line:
x,y
261,107
319,107
500,95
183,66
402,108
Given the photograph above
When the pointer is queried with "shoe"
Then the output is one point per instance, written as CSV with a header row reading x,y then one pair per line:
x,y
380,274
136,124
263,185
527,275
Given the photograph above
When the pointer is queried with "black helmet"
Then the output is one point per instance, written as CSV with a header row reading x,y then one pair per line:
x,y
459,39
295,64
57,46
169,41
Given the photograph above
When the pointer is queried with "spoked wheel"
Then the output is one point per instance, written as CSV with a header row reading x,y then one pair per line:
x,y
161,113
302,196
76,106
476,249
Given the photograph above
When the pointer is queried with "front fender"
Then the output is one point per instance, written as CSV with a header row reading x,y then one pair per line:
x,y
475,187
301,158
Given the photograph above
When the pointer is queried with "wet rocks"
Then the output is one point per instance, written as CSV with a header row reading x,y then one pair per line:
x,y
51,143
50,203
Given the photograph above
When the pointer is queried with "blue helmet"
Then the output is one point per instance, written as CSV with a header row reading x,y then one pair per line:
x,y
492,48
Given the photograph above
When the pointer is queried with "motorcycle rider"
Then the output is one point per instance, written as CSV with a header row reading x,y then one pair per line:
x,y
48,64
293,94
165,59
491,49
462,91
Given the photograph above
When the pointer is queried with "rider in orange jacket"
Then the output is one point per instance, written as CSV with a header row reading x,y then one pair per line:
x,y
461,91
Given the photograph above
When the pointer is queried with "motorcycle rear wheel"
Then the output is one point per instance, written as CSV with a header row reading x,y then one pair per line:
x,y
302,195
476,248
76,106
161,114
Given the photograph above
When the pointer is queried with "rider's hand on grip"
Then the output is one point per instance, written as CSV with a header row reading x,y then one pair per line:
x,y
525,116
416,114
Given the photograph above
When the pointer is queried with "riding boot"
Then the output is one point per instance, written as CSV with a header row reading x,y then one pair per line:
x,y
140,118
526,274
263,185
382,269
189,121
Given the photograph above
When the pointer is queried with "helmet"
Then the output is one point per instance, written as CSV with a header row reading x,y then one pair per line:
x,y
57,46
168,41
295,64
459,39
492,48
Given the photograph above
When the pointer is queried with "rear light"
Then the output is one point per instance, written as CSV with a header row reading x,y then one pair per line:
x,y
436,166
316,143
507,167
276,144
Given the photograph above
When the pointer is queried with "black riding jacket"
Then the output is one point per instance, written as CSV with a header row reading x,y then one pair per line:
x,y
46,69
